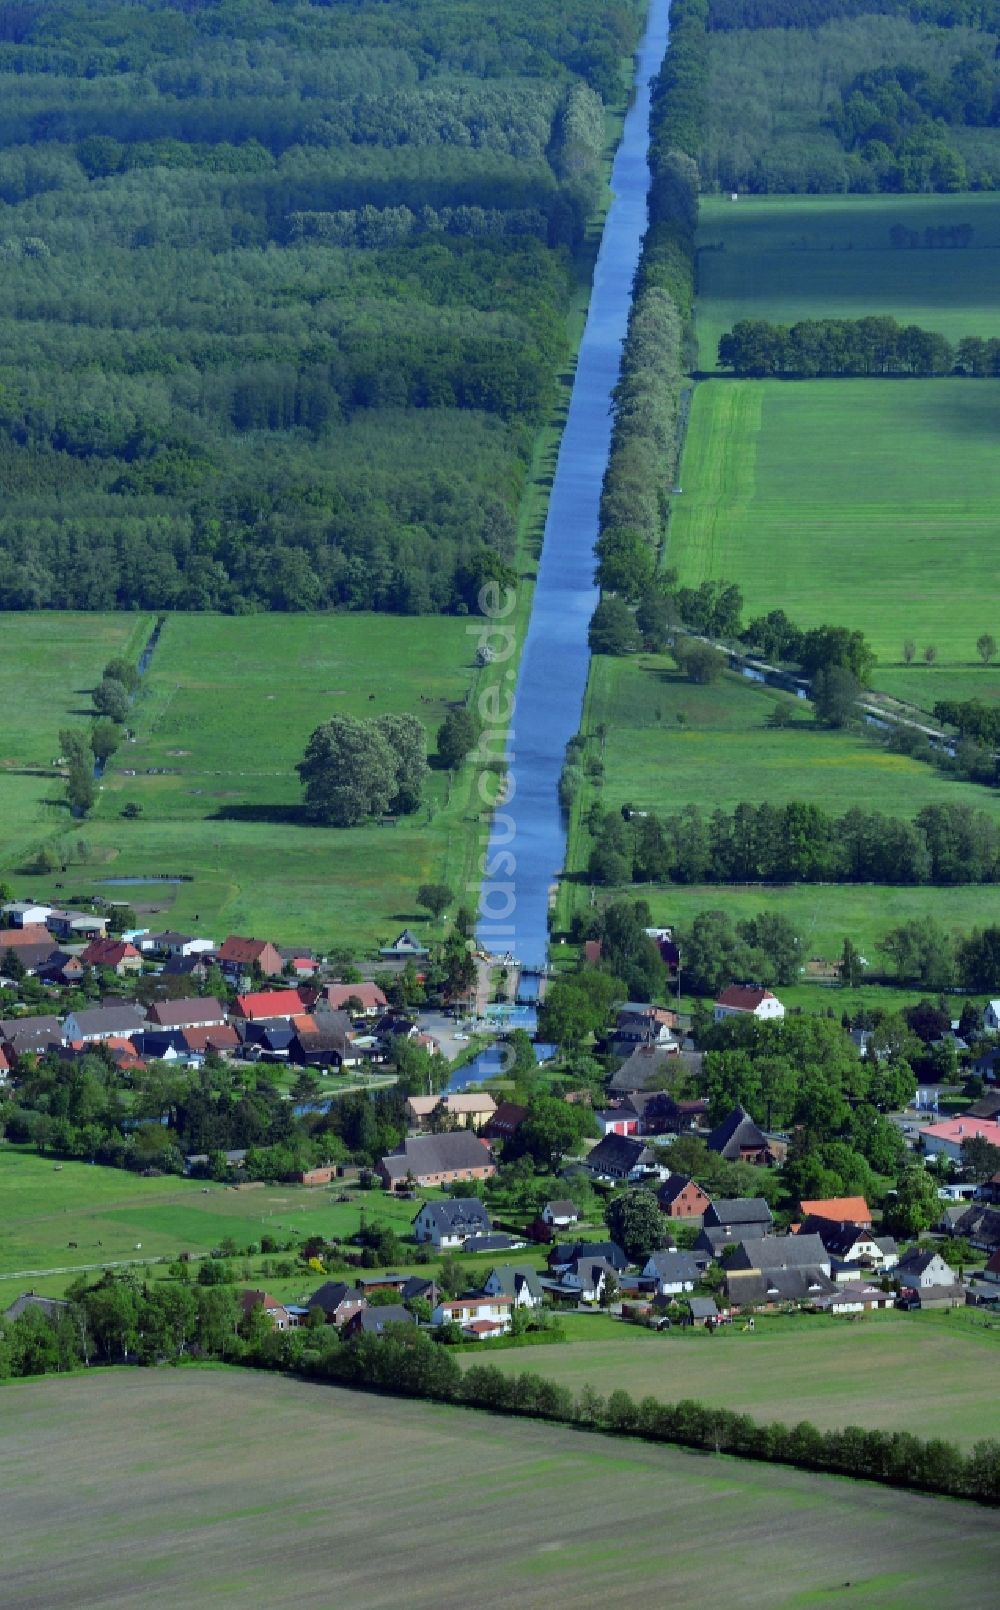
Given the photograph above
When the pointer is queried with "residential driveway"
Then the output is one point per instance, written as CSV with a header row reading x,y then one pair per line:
x,y
451,1033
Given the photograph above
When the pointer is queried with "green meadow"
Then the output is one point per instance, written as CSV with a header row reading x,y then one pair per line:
x,y
222,717
111,1215
668,744
870,504
786,258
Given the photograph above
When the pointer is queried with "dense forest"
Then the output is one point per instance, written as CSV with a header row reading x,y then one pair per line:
x,y
859,95
285,290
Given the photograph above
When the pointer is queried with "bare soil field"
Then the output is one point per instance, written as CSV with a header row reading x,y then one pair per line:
x,y
190,1488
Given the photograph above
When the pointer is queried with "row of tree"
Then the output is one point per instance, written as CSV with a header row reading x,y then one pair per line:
x,y
799,842
869,346
168,1322
645,444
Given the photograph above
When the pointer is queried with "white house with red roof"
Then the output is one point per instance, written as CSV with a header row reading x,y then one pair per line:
x,y
946,1139
738,1001
481,1316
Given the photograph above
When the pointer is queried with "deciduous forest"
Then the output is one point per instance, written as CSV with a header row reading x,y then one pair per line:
x,y
284,291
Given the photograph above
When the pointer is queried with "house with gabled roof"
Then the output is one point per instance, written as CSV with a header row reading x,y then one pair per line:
x,y
406,947
773,1252
338,1301
559,1215
519,1282
669,1273
621,1157
115,955
437,1160
739,1001
449,1224
643,1069
683,1198
480,1315
239,956
744,1215
739,1140
566,1253
104,1022
193,1012
368,999
839,1209
505,1122
376,1321
852,1248
265,1005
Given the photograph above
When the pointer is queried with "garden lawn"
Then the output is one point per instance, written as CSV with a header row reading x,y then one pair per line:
x,y
240,1481
786,258
928,1373
862,503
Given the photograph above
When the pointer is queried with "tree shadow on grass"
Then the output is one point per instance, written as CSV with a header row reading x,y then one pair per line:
x,y
275,815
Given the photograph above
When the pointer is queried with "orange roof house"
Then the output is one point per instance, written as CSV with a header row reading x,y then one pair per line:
x,y
840,1209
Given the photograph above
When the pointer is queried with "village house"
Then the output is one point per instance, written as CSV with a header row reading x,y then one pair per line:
x,y
980,1225
991,1017
682,1198
559,1215
481,1316
670,1273
519,1282
362,1000
505,1122
76,925
742,1216
282,1317
243,957
437,1160
621,1157
31,1036
114,955
565,1253
946,1139
26,913
777,1288
268,1005
739,1002
327,1041
449,1224
648,1067
171,943
34,948
338,1301
194,1012
840,1210
925,1272
468,1109
851,1247
51,1307
586,1279
298,961
769,1253
739,1140
406,947
104,1022
376,1321
858,1297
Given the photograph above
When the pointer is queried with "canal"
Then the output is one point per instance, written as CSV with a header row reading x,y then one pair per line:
x,y
528,837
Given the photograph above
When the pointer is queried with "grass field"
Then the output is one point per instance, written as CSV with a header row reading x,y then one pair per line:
x,y
254,1491
109,1213
222,718
50,663
669,744
869,504
786,258
925,1373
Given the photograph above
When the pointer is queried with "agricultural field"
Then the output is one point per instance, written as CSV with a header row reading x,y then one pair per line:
x,y
924,1373
848,502
222,717
786,258
174,1519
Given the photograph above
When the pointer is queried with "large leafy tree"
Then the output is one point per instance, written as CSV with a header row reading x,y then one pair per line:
x,y
635,1222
